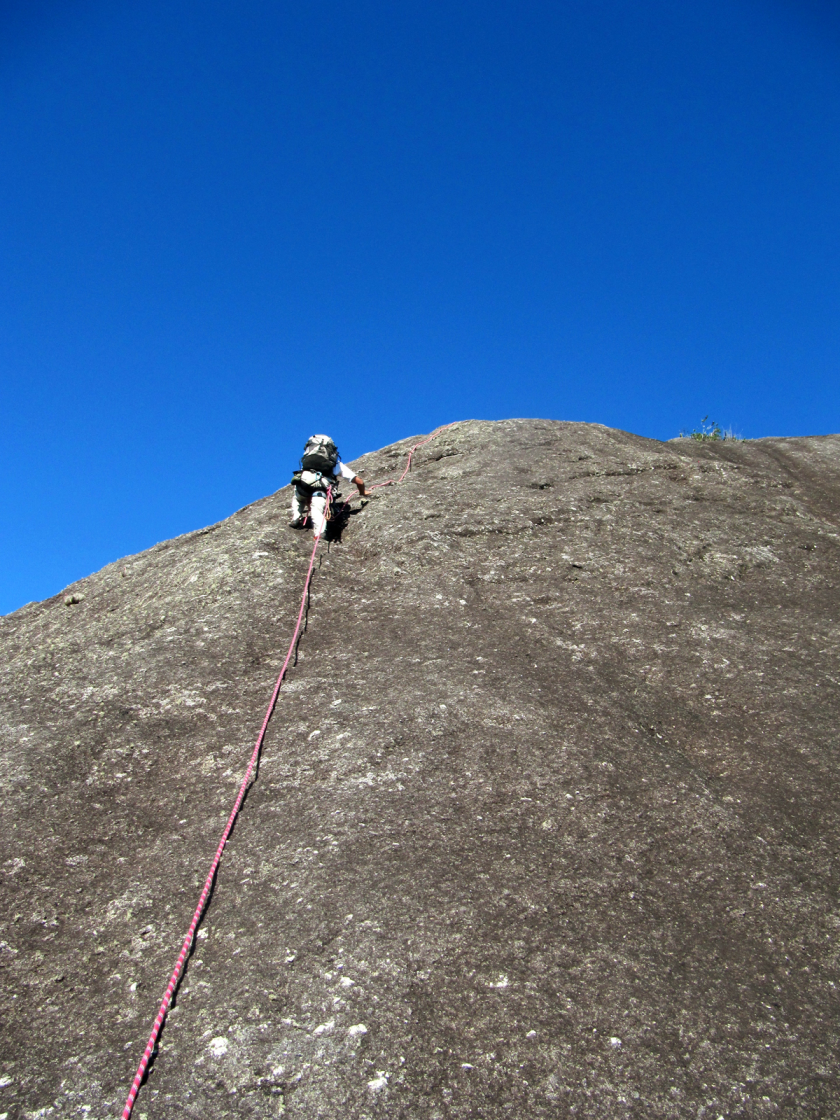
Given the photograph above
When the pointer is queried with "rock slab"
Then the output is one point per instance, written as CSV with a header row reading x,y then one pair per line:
x,y
546,822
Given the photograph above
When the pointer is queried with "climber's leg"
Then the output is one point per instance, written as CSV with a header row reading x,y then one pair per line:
x,y
318,509
300,508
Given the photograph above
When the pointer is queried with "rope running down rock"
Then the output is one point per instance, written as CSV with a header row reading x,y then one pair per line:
x,y
175,978
177,972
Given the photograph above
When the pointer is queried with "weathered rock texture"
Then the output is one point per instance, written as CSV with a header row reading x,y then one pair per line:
x,y
546,822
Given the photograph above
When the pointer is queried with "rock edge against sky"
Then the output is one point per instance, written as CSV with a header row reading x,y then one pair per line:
x,y
546,822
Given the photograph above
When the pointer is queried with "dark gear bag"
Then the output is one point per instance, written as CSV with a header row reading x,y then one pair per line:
x,y
320,455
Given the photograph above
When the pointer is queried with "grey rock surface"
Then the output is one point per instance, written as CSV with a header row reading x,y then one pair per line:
x,y
546,822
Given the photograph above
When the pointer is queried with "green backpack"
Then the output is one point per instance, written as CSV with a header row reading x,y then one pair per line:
x,y
320,455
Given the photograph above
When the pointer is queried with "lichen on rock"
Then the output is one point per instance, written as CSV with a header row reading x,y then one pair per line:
x,y
546,821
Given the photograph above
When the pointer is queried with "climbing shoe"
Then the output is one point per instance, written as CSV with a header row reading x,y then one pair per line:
x,y
298,523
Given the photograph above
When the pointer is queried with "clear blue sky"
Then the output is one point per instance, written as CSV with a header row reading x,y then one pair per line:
x,y
226,224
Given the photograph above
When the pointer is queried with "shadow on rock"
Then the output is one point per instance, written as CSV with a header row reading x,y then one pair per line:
x,y
340,514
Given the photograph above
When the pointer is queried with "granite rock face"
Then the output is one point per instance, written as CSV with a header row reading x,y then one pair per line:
x,y
546,822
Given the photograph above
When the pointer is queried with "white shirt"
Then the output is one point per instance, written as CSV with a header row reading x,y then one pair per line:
x,y
344,471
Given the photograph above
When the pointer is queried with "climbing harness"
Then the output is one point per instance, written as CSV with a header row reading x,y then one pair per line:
x,y
310,482
177,972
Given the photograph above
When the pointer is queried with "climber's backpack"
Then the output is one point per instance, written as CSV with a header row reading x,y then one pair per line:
x,y
320,455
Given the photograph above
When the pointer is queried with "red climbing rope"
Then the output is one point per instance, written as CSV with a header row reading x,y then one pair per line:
x,y
422,443
208,882
175,978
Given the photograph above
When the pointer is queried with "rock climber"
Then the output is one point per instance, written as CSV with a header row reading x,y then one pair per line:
x,y
320,467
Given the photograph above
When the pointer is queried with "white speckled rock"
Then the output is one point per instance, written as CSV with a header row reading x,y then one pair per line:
x,y
546,822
